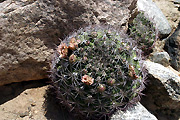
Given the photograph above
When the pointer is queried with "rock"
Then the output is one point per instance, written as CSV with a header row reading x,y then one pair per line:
x,y
167,77
160,57
162,94
172,46
155,15
177,1
139,112
23,114
170,11
30,30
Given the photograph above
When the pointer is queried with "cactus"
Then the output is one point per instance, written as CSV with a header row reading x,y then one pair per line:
x,y
144,32
96,71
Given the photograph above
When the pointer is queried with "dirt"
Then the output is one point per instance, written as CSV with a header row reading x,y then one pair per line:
x,y
22,101
27,101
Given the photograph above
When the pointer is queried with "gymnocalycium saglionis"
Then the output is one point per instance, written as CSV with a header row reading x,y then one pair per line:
x,y
96,71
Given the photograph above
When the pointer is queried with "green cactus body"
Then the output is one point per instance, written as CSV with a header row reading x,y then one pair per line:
x,y
144,32
101,75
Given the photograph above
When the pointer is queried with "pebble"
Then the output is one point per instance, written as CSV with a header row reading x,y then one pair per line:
x,y
23,114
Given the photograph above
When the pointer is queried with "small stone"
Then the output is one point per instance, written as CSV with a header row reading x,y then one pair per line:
x,y
23,114
33,104
161,58
35,111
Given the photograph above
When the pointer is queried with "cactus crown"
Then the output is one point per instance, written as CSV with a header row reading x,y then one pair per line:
x,y
96,71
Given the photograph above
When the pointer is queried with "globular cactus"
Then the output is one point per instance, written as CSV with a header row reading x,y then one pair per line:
x,y
144,32
96,71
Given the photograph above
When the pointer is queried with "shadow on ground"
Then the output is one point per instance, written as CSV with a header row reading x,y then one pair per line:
x,y
54,111
10,91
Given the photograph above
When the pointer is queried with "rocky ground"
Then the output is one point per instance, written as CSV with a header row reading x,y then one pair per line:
x,y
23,101
26,100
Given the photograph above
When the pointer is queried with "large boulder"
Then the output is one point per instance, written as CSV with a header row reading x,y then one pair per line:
x,y
30,30
172,46
162,95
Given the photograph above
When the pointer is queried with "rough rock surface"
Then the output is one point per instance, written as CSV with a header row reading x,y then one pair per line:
x,y
29,30
160,57
172,46
162,95
170,10
155,15
139,112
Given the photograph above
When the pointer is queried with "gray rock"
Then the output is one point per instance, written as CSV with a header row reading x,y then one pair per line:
x,y
139,112
169,78
177,1
172,46
155,15
162,94
30,30
161,58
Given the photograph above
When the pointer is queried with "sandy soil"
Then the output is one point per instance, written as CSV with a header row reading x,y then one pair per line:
x,y
26,101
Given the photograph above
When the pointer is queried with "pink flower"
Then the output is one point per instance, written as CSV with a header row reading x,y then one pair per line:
x,y
62,50
72,58
87,80
78,41
73,44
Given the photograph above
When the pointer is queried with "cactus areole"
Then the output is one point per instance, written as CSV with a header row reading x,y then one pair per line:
x,y
96,71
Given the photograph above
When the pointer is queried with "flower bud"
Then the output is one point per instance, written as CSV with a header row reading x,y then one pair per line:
x,y
111,81
101,88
